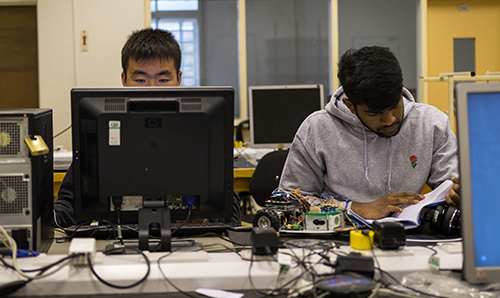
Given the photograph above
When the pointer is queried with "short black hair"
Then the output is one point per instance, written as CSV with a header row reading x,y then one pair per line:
x,y
148,44
371,76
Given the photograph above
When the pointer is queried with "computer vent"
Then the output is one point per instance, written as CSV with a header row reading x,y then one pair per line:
x,y
190,104
13,194
10,138
114,104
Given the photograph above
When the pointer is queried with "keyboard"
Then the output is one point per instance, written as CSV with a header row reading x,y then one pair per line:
x,y
130,231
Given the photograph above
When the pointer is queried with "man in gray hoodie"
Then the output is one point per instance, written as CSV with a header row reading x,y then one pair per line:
x,y
373,147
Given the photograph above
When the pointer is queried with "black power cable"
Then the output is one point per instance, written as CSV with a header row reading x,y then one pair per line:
x,y
122,249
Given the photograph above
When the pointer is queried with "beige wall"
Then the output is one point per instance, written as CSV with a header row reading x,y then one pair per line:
x,y
62,63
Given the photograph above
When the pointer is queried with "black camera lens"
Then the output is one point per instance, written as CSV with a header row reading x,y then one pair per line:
x,y
451,224
444,219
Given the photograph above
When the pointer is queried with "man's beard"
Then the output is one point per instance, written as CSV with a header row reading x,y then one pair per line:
x,y
380,134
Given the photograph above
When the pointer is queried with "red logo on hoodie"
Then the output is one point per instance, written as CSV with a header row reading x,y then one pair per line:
x,y
413,160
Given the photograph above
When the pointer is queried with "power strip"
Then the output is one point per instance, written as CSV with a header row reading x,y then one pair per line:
x,y
446,262
451,259
84,247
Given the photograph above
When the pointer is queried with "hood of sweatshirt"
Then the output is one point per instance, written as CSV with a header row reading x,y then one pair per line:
x,y
338,109
334,153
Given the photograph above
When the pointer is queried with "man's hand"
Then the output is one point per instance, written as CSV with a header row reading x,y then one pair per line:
x,y
382,207
453,197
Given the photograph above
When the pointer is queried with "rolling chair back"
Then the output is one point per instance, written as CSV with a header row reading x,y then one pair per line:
x,y
267,175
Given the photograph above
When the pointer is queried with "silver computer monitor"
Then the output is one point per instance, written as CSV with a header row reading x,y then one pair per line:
x,y
478,114
277,111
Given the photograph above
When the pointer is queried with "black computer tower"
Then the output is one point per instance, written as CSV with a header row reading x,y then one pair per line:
x,y
26,177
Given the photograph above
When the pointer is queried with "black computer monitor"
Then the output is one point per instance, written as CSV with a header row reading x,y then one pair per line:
x,y
168,148
276,112
478,107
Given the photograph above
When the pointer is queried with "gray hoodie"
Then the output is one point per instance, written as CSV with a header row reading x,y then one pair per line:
x,y
333,152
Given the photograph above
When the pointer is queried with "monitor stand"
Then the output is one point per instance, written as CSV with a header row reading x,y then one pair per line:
x,y
154,214
184,245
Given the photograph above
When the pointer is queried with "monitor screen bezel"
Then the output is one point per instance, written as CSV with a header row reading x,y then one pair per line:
x,y
470,271
78,94
270,145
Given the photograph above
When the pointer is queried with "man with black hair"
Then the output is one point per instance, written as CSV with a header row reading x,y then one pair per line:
x,y
373,147
150,57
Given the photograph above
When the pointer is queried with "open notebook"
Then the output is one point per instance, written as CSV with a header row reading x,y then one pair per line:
x,y
410,216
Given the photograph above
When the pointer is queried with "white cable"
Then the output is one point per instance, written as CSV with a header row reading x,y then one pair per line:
x,y
55,220
375,290
11,244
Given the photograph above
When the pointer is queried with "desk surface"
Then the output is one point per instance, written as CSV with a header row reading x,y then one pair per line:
x,y
189,271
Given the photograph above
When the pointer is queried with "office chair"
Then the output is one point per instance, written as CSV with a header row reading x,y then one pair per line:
x,y
239,130
267,175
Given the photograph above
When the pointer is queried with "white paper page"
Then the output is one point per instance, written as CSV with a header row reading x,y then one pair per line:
x,y
215,293
410,214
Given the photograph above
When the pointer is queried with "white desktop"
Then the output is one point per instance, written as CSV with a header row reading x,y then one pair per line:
x,y
231,271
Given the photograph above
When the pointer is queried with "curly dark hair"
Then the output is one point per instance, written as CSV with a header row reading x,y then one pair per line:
x,y
371,76
148,44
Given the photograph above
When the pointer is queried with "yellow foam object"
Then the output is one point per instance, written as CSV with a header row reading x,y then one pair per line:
x,y
360,240
315,209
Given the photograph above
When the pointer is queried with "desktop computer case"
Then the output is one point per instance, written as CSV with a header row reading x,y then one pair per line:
x,y
26,181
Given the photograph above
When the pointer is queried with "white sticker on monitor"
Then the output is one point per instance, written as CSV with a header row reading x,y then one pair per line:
x,y
114,133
